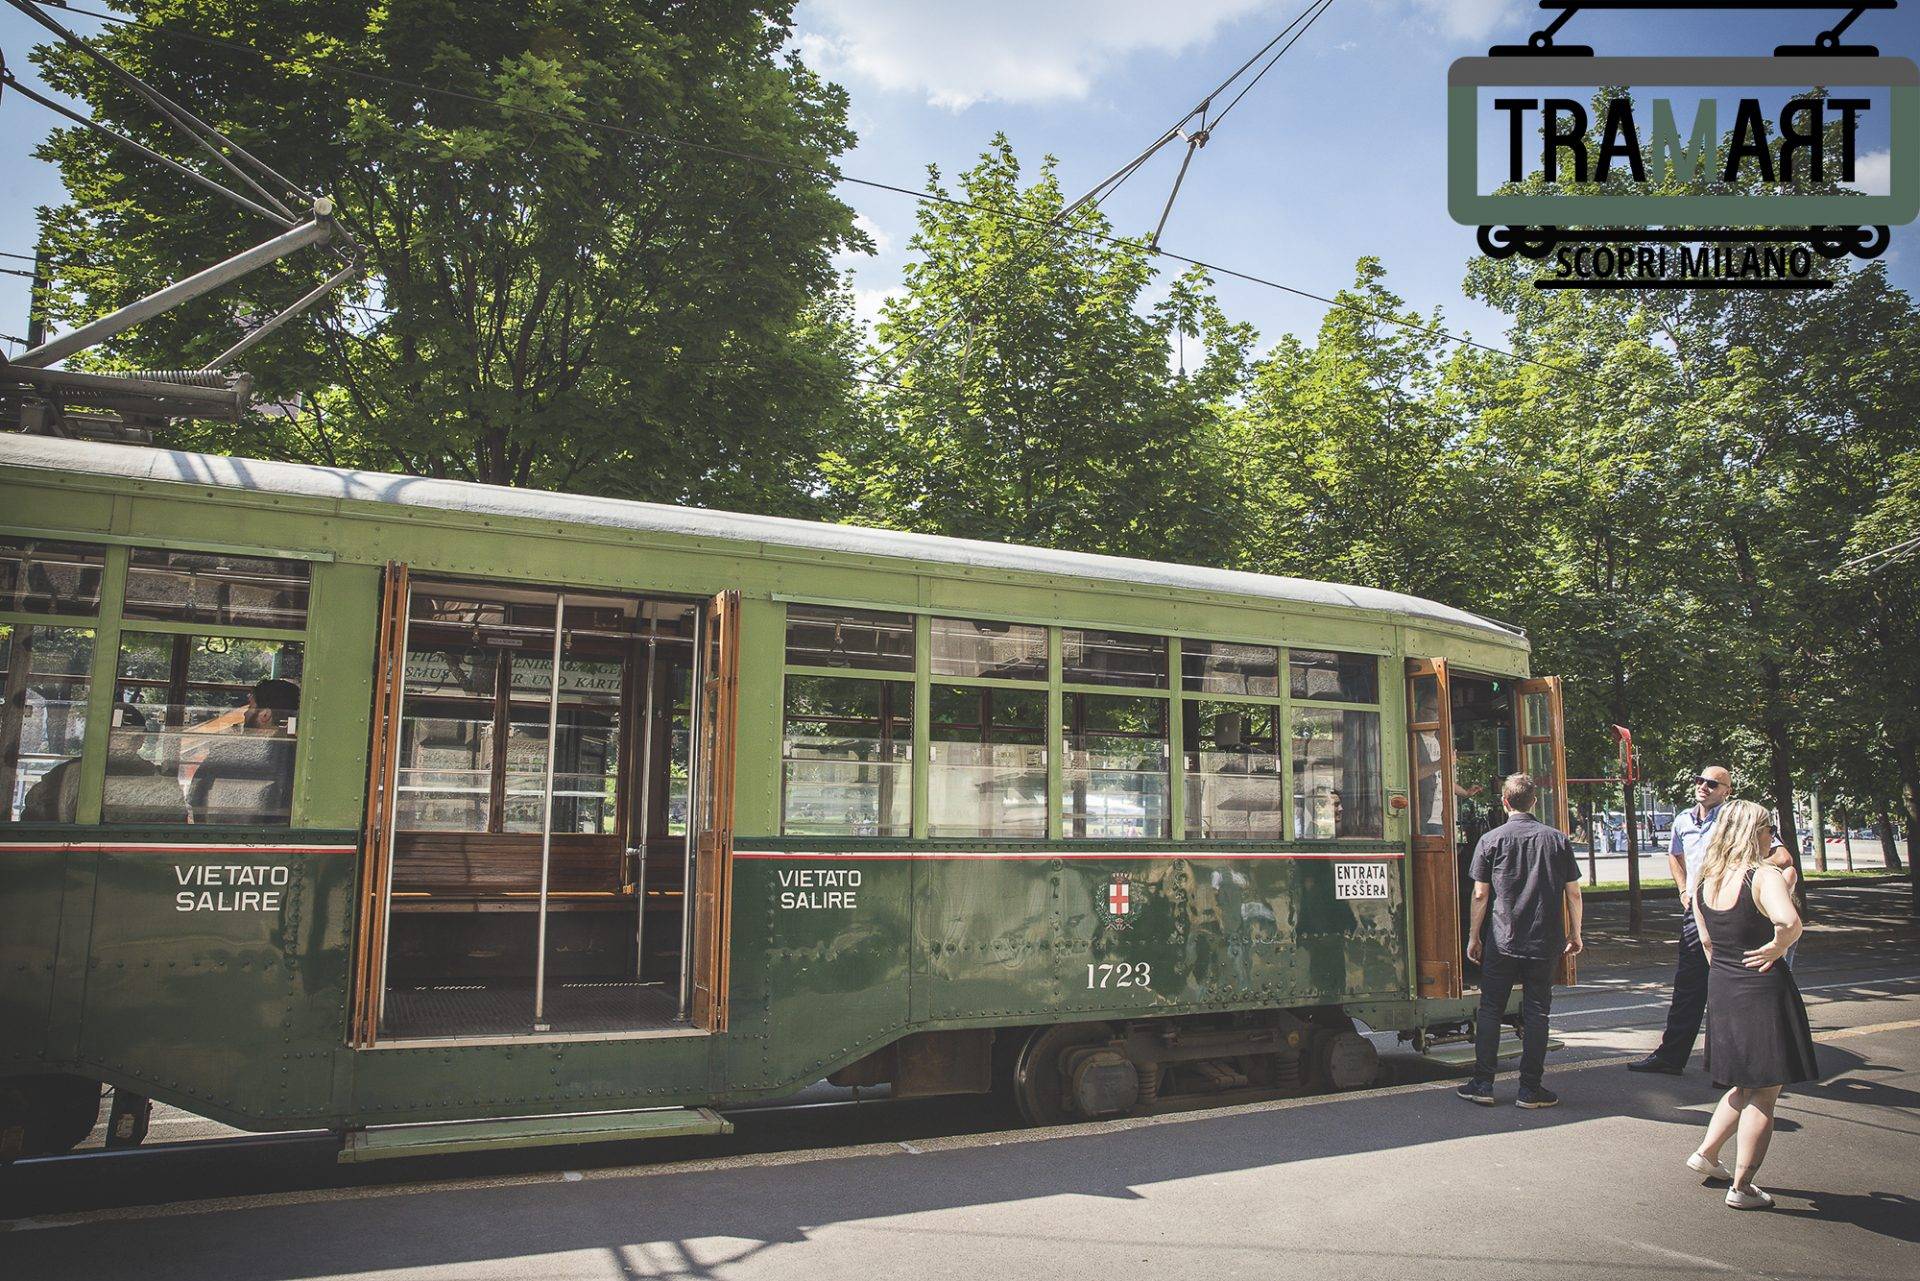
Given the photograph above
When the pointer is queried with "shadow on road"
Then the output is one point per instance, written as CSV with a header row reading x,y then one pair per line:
x,y
1887,1214
753,1208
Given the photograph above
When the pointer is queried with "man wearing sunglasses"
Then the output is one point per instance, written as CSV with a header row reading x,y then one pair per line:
x,y
1712,788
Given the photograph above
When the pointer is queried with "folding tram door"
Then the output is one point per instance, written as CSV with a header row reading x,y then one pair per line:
x,y
1436,899
542,765
1534,719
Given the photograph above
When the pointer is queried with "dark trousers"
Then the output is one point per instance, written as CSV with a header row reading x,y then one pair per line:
x,y
1689,998
1497,976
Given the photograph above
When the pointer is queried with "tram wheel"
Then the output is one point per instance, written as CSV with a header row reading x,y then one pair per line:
x,y
46,1115
1040,1088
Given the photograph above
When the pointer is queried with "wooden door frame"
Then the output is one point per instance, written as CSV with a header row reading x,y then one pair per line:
x,y
714,748
1438,961
376,846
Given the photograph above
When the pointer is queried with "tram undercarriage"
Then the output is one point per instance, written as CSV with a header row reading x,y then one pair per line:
x,y
1084,1071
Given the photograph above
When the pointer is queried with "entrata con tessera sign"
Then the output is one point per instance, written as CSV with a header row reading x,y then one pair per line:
x,y
1691,172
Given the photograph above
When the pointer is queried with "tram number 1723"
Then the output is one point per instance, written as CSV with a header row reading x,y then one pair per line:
x,y
1123,974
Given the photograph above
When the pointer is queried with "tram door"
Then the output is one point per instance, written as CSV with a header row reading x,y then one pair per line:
x,y
530,822
1438,962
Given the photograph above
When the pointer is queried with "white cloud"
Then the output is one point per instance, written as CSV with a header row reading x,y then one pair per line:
x,y
867,304
852,258
1469,19
881,240
957,55
1873,173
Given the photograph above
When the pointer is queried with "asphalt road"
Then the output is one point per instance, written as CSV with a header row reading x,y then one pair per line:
x,y
1395,1180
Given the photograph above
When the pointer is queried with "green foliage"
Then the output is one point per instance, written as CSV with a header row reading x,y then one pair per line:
x,y
1663,488
1026,393
549,303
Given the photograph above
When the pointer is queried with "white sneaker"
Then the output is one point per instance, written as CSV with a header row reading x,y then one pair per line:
x,y
1750,1199
1709,1169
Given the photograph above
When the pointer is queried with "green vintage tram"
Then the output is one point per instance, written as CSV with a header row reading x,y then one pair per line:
x,y
336,799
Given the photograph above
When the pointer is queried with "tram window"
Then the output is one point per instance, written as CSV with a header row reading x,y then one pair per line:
x,y
1339,678
1115,772
1426,700
987,763
1429,800
43,720
44,576
680,751
1113,658
1001,651
473,741
447,739
217,588
1234,788
203,730
1536,730
826,636
1216,667
847,757
1336,774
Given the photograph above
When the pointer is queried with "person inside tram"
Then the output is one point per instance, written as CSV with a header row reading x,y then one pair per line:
x,y
247,778
137,790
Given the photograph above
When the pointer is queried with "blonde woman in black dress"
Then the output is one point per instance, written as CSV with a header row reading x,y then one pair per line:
x,y
1757,1035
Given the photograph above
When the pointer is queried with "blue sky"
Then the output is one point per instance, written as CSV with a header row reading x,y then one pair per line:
x,y
1339,152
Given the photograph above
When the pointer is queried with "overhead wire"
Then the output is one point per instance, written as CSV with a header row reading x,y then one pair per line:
x,y
833,173
900,351
1108,185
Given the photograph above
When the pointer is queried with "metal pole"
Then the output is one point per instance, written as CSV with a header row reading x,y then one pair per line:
x,y
546,821
1593,866
194,127
693,809
1632,822
37,299
318,292
315,231
191,175
646,810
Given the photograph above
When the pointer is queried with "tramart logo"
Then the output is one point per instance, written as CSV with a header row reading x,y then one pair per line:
x,y
1683,172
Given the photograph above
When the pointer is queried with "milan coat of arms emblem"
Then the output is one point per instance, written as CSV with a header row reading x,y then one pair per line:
x,y
1116,903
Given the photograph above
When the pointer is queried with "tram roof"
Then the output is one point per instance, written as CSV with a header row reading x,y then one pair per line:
x,y
137,462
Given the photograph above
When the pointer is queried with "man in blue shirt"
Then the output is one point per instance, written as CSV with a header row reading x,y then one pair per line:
x,y
1712,788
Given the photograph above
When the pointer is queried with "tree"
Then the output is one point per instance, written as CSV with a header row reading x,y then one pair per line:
x,y
1024,389
1786,408
1354,473
558,295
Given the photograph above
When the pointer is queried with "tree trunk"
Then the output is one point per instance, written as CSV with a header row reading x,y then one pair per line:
x,y
1780,754
1889,847
1818,822
1773,720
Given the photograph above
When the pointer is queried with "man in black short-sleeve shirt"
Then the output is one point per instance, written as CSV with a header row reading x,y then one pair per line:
x,y
1521,870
